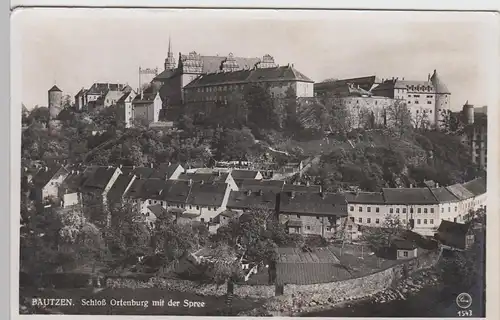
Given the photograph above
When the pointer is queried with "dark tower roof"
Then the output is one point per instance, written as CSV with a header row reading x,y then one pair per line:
x,y
55,88
438,84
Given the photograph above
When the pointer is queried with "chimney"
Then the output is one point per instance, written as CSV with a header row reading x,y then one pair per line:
x,y
169,163
260,192
46,169
249,192
411,185
292,195
307,183
190,182
151,165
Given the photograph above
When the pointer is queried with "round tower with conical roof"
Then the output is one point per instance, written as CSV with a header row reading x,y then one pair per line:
x,y
443,97
55,102
468,113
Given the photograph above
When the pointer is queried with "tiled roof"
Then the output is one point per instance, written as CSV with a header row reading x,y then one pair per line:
x,y
365,197
444,195
301,188
244,174
118,189
214,63
55,88
313,203
73,182
99,178
46,174
245,200
455,228
207,194
177,191
284,73
408,196
460,192
157,210
153,189
297,255
124,96
102,88
135,189
476,186
404,244
206,177
139,172
392,84
167,74
165,170
275,186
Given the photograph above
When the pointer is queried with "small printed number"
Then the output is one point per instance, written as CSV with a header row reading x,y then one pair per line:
x,y
464,313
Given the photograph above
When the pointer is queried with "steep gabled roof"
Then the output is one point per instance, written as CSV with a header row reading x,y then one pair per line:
x,y
365,197
275,186
460,191
119,188
476,187
443,195
244,200
313,203
455,228
301,188
207,194
99,178
165,170
409,196
244,174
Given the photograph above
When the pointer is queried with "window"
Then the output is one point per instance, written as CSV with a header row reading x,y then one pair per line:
x,y
149,201
202,219
397,210
377,209
369,220
369,209
391,210
431,221
432,210
454,219
352,219
416,96
328,228
308,227
425,210
317,218
416,102
360,209
442,210
455,208
411,210
419,210
405,253
377,220
298,216
449,209
209,208
418,221
425,221
429,102
360,220
351,208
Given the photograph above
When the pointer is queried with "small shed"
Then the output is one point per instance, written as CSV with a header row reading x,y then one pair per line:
x,y
405,249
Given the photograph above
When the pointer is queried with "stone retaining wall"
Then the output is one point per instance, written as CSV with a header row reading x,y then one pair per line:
x,y
293,295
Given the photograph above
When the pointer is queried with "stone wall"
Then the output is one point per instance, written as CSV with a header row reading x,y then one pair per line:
x,y
294,295
256,291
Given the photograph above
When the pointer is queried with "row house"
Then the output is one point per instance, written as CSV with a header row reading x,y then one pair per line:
x,y
97,183
46,183
312,213
210,177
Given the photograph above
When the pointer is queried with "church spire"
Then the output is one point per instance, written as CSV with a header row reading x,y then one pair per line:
x,y
170,61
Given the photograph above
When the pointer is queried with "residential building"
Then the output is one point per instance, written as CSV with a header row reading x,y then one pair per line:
x,y
168,171
147,105
100,95
125,106
46,183
210,178
454,235
244,201
312,213
366,208
69,190
207,200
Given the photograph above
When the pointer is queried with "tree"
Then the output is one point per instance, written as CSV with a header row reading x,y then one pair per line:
x,y
234,144
450,122
398,118
421,119
383,237
262,113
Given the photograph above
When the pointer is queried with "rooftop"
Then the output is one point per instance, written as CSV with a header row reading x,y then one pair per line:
x,y
408,196
313,203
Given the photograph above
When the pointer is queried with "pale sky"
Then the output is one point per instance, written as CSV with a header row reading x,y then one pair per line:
x,y
74,48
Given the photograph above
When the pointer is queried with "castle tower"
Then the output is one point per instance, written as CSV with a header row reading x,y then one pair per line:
x,y
468,113
55,102
443,96
170,61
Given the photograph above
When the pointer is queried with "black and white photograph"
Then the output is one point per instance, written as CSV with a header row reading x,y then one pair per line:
x,y
253,163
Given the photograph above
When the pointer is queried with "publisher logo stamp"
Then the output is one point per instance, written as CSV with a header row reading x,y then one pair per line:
x,y
464,300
